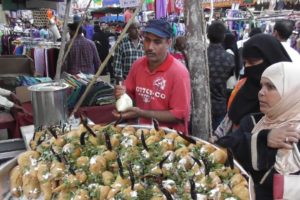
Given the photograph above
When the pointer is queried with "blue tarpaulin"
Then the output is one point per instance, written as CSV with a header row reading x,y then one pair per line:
x,y
110,2
113,18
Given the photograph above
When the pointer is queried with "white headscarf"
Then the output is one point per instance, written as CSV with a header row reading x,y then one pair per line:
x,y
286,78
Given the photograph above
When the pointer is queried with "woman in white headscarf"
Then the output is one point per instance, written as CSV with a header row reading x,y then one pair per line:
x,y
266,147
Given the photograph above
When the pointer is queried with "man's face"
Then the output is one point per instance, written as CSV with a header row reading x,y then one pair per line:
x,y
156,48
133,31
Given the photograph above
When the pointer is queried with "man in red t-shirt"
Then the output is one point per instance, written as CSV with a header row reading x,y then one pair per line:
x,y
158,83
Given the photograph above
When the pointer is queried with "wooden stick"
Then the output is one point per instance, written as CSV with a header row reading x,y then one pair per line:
x,y
63,41
104,63
59,67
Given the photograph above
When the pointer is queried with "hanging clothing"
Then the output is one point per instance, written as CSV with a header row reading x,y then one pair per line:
x,y
161,9
39,61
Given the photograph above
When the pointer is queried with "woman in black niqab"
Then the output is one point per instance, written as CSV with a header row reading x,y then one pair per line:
x,y
270,50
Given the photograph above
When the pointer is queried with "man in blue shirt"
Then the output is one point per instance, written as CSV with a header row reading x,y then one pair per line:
x,y
88,29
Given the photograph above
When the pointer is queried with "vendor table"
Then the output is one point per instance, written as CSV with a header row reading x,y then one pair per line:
x,y
97,114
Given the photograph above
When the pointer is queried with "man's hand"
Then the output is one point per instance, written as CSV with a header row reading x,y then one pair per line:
x,y
15,98
119,91
130,113
283,137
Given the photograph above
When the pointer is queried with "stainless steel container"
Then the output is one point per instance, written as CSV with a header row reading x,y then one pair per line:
x,y
49,102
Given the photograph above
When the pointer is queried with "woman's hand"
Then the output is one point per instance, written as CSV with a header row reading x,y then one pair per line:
x,y
283,137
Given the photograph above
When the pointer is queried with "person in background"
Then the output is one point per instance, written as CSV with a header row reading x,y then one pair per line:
x,y
158,83
179,50
253,32
83,56
88,29
102,43
283,29
128,14
263,144
230,46
128,51
221,65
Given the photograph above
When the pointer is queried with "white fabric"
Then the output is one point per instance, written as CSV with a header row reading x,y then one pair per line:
x,y
4,92
294,55
240,43
290,182
123,103
5,102
285,77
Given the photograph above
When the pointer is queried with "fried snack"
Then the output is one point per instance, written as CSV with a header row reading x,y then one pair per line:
x,y
108,178
208,148
219,156
241,191
57,169
112,193
152,139
159,164
110,155
28,159
31,186
81,194
16,181
83,161
238,179
128,130
97,164
104,190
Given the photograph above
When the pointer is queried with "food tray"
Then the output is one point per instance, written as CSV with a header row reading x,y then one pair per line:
x,y
7,167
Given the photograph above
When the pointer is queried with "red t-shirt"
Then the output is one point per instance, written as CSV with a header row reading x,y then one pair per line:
x,y
166,88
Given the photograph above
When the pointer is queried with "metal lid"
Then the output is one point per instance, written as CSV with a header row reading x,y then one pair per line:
x,y
48,87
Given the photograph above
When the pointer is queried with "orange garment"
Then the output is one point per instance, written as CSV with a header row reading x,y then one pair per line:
x,y
237,87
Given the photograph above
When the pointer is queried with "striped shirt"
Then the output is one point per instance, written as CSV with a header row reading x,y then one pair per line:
x,y
83,57
125,55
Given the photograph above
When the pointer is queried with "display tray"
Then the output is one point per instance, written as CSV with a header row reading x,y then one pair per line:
x,y
7,167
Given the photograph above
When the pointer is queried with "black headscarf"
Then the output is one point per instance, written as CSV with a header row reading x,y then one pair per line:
x,y
271,51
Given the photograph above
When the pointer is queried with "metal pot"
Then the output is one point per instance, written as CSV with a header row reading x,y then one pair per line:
x,y
49,102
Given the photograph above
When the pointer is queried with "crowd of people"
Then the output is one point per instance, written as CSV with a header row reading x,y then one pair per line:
x,y
253,87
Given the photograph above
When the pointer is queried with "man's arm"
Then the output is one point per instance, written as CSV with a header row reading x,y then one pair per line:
x,y
5,102
135,112
5,92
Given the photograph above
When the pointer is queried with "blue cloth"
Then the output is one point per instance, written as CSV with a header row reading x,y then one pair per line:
x,y
89,30
19,50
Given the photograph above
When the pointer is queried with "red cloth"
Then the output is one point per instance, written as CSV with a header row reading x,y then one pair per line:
x,y
22,119
166,88
127,15
98,114
171,6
